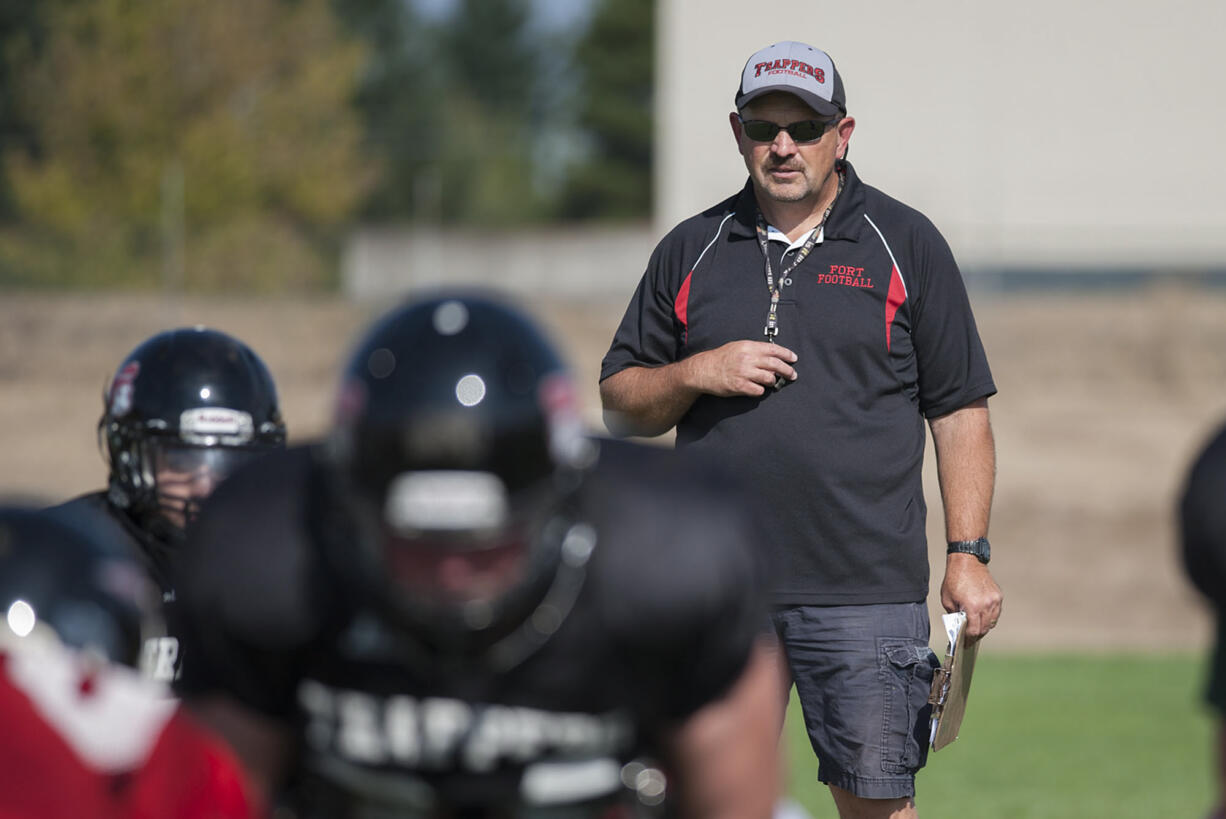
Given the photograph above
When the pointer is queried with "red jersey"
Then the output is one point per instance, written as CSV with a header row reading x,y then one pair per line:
x,y
87,739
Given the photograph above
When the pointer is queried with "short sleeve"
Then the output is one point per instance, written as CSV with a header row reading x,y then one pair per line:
x,y
650,332
952,364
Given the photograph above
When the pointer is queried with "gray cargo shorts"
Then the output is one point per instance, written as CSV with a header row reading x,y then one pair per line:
x,y
863,675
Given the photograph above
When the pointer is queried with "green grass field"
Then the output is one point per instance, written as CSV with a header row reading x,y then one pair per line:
x,y
1060,737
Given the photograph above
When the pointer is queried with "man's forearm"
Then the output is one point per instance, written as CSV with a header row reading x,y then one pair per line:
x,y
651,400
646,400
966,469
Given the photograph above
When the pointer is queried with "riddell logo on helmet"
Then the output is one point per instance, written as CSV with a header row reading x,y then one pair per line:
x,y
210,425
223,419
792,67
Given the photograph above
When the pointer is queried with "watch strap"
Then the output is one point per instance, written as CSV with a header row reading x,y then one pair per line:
x,y
979,547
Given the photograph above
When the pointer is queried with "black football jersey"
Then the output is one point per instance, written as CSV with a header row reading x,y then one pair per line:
x,y
161,654
668,607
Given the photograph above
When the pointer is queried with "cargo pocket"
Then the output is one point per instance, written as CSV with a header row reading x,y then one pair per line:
x,y
906,670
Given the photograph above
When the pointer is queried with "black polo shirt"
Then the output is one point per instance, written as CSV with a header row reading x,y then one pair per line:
x,y
160,658
880,321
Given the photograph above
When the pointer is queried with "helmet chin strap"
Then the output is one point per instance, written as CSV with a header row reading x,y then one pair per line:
x,y
577,546
160,539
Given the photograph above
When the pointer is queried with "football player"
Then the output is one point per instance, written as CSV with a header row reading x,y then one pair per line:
x,y
459,604
1202,547
183,409
85,734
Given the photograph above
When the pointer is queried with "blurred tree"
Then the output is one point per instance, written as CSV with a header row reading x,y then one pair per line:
x,y
225,122
616,65
488,110
397,96
456,105
21,34
473,111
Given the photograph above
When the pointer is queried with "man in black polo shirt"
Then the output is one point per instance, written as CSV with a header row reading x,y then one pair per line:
x,y
800,332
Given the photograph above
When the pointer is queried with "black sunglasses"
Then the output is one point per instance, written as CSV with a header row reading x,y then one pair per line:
x,y
806,130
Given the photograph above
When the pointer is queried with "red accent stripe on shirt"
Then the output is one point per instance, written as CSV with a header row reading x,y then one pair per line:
x,y
681,306
893,300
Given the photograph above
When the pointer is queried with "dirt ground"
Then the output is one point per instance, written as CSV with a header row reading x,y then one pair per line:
x,y
1104,399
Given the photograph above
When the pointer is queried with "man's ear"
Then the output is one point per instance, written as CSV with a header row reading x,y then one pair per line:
x,y
846,127
734,120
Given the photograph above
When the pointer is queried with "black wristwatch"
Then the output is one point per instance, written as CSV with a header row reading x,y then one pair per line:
x,y
979,547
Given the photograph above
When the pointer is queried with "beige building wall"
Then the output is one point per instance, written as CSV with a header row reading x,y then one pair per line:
x,y
1051,134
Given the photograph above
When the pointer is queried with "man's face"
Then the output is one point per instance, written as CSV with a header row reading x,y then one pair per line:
x,y
441,574
186,475
782,169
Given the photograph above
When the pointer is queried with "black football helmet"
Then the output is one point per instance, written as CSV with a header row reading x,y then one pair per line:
x,y
184,409
457,443
57,580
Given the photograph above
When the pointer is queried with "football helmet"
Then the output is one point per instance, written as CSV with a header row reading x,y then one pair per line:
x,y
457,443
183,410
57,580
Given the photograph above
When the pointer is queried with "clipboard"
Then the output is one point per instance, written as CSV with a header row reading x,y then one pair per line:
x,y
952,682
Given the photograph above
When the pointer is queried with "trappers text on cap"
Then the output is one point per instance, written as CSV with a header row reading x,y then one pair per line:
x,y
794,68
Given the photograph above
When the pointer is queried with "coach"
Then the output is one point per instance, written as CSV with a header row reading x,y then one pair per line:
x,y
801,331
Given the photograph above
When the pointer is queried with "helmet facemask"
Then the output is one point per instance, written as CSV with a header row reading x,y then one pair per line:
x,y
462,550
184,475
162,473
449,537
479,593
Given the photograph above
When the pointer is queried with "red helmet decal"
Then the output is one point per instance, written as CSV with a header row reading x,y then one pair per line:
x,y
560,402
558,395
119,396
350,401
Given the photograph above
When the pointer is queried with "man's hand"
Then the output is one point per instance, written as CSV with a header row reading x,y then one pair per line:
x,y
651,400
741,368
969,587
